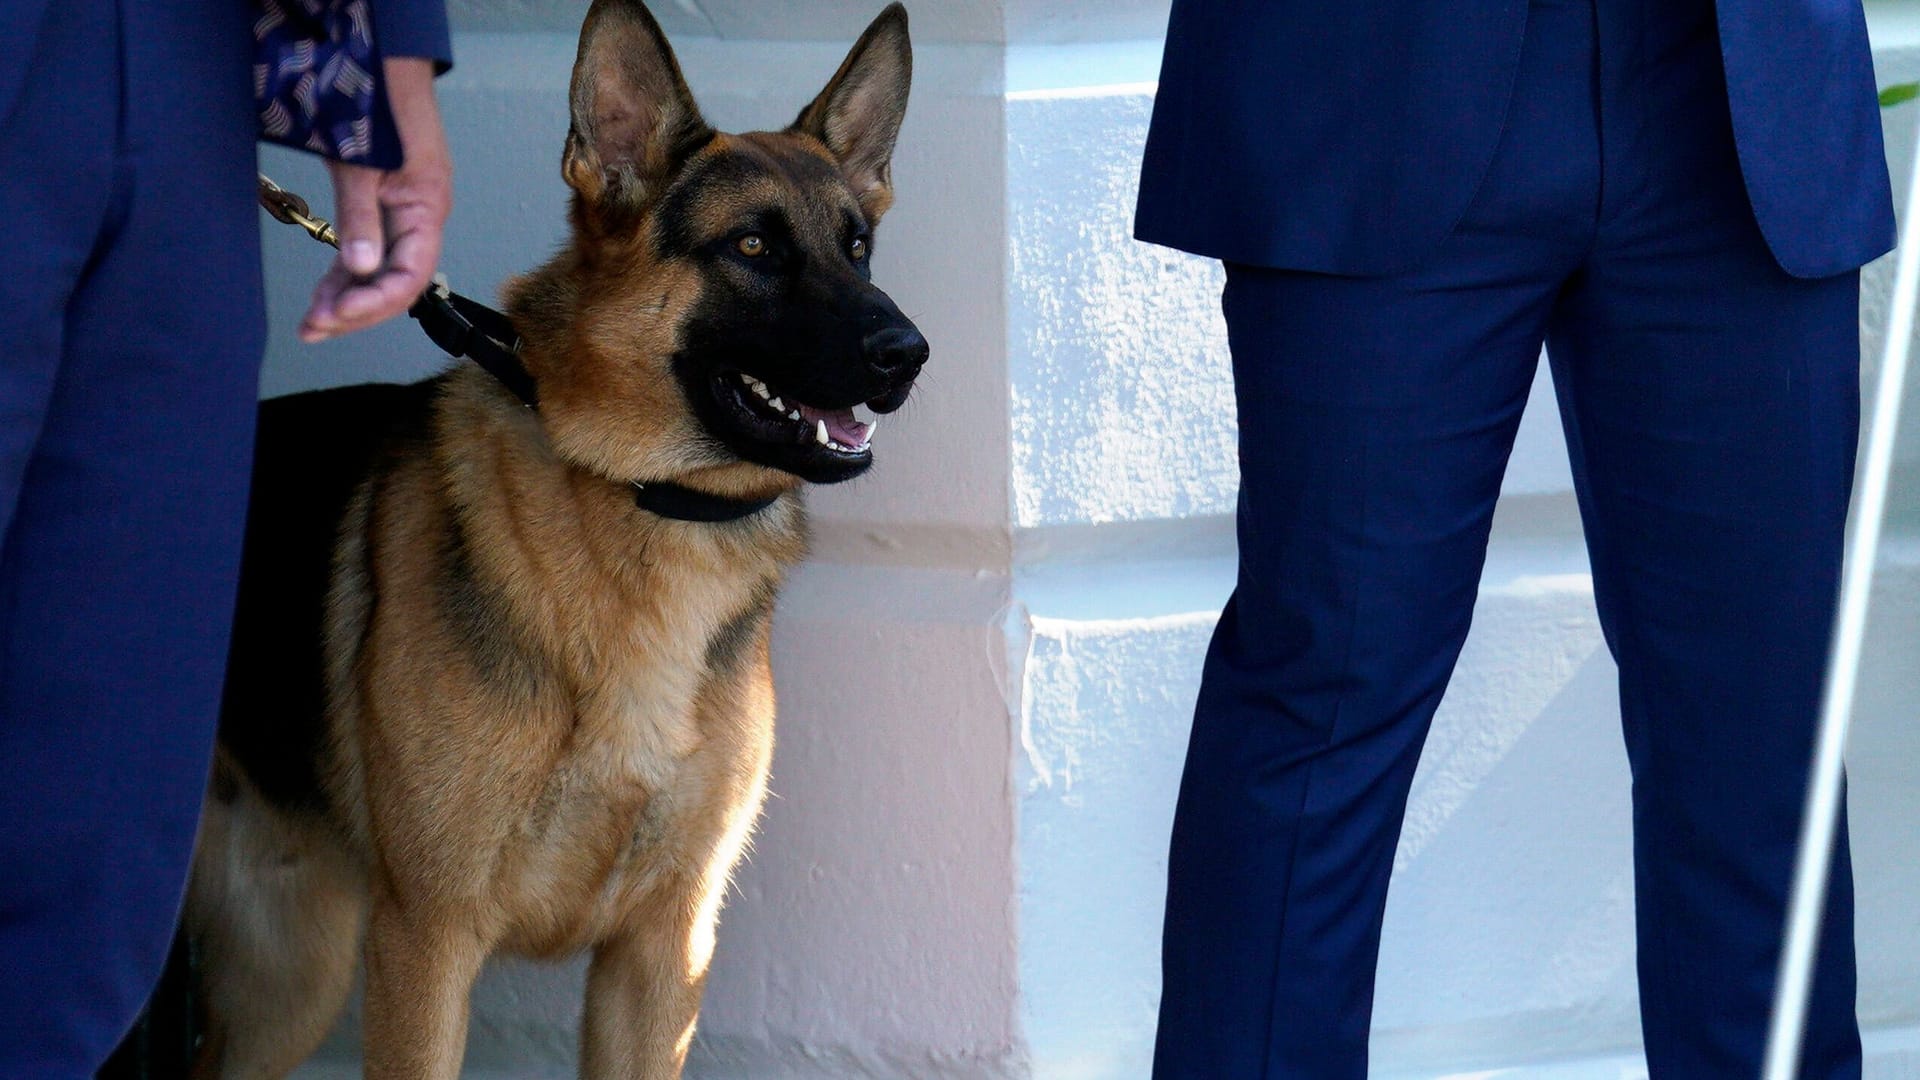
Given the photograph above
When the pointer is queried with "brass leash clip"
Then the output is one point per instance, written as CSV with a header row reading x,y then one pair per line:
x,y
285,206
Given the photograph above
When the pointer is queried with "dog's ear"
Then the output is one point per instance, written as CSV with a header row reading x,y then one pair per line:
x,y
858,115
634,120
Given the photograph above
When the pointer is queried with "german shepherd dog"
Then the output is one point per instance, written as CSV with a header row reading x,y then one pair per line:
x,y
480,699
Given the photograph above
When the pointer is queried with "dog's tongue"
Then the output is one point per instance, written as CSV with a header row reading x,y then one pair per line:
x,y
842,428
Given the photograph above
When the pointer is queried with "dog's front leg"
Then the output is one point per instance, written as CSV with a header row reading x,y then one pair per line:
x,y
420,972
643,995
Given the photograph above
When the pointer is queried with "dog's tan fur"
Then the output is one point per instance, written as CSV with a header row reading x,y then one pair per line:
x,y
549,716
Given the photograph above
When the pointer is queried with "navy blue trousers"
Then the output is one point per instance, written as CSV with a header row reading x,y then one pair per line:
x,y
131,328
1711,408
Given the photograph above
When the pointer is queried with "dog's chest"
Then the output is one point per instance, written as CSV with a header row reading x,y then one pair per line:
x,y
638,771
632,736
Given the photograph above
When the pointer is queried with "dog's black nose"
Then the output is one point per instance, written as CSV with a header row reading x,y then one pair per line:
x,y
896,352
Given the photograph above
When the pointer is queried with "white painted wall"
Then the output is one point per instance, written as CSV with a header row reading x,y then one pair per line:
x,y
986,672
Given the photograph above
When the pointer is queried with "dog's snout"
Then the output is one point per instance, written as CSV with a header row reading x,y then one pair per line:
x,y
896,352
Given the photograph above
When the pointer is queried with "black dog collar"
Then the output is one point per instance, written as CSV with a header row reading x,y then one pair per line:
x,y
681,503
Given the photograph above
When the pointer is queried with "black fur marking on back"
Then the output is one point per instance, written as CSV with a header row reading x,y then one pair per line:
x,y
313,451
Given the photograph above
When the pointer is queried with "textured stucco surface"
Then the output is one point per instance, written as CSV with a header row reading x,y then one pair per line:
x,y
871,934
1122,408
1106,707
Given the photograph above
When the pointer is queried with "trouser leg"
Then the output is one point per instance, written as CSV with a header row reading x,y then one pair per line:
x,y
1711,406
118,567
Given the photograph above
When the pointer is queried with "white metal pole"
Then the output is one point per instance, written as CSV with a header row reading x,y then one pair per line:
x,y
1824,791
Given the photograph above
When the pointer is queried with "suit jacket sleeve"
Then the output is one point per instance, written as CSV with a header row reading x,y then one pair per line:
x,y
317,75
415,28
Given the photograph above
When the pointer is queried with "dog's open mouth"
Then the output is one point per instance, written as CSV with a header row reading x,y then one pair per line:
x,y
773,417
823,441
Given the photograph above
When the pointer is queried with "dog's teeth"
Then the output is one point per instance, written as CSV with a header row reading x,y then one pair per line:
x,y
746,378
775,402
820,432
794,415
761,389
873,425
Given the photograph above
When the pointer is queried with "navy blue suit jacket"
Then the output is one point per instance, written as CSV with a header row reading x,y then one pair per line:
x,y
1349,137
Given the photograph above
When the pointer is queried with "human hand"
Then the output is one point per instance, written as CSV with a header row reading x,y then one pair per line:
x,y
389,223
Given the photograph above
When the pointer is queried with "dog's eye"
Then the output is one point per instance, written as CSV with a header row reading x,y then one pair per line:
x,y
752,245
857,250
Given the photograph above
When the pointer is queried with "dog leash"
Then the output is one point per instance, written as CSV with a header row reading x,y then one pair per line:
x,y
462,327
469,330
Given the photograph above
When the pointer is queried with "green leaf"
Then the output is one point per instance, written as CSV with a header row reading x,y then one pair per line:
x,y
1899,94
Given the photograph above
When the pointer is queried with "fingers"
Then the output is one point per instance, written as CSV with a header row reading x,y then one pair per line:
x,y
363,302
414,252
348,299
389,222
344,302
320,322
356,193
357,220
